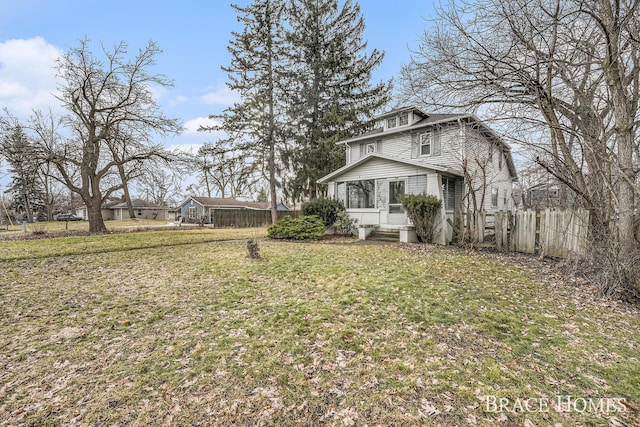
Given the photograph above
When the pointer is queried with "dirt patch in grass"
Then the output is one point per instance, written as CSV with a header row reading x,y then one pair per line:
x,y
312,333
44,235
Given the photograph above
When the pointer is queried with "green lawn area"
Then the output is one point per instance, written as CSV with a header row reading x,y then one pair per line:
x,y
61,226
177,327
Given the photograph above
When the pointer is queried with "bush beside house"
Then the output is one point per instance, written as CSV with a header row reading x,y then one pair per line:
x,y
325,209
303,228
423,212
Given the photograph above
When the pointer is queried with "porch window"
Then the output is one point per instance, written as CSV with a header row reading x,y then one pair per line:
x,y
449,192
396,191
360,194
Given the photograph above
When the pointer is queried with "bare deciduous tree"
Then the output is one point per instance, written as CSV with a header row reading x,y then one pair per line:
x,y
566,70
104,98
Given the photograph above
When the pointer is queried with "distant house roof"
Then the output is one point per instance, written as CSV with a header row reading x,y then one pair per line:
x,y
137,204
231,203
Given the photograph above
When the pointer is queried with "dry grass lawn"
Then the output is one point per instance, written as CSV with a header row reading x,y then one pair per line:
x,y
178,328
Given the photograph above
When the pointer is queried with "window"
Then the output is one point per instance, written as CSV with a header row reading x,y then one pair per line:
x,y
449,192
504,197
425,144
500,161
391,122
403,119
192,212
494,197
396,191
360,194
490,152
371,148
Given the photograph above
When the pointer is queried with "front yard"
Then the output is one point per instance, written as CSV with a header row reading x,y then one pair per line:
x,y
179,328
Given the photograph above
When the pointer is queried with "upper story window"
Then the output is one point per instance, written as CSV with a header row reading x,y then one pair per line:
x,y
425,144
391,122
370,148
403,119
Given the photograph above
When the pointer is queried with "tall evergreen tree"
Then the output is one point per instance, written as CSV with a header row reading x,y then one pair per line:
x,y
255,74
330,89
24,164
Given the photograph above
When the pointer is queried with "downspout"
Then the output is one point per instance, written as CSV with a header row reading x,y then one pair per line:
x,y
463,154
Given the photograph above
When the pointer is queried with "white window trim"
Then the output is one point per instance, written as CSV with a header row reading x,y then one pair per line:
x,y
424,136
370,148
194,210
497,200
406,183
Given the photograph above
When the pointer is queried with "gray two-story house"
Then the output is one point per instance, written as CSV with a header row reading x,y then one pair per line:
x,y
455,157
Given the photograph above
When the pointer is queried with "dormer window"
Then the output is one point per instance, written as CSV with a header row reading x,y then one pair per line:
x,y
403,119
425,144
371,148
391,122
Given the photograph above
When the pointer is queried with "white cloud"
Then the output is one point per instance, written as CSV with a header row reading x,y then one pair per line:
x,y
27,75
192,126
180,99
191,129
221,95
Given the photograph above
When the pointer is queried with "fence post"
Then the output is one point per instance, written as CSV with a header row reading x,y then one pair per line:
x,y
480,224
501,225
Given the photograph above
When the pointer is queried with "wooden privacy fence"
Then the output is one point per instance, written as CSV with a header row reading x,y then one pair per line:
x,y
244,218
550,232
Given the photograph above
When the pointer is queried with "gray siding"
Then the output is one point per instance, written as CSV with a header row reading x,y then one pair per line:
x,y
380,168
417,184
478,148
452,143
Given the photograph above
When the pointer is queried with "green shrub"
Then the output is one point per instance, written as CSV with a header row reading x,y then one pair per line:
x,y
422,210
302,228
344,224
325,209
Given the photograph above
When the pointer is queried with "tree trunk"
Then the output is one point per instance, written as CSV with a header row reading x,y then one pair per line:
x,y
27,208
272,184
94,213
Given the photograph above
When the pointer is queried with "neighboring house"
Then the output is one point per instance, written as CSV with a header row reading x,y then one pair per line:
x,y
118,210
455,157
550,194
197,209
107,213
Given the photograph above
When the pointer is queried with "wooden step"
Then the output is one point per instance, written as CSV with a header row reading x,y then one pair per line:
x,y
385,235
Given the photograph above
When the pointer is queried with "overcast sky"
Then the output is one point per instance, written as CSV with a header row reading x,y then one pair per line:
x,y
192,34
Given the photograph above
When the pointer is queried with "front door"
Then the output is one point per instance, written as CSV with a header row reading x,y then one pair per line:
x,y
396,212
